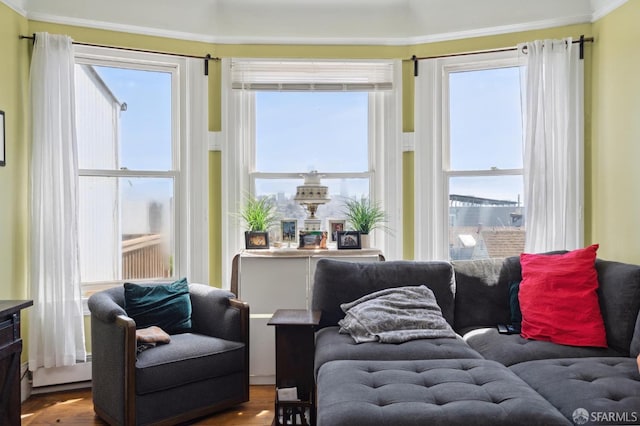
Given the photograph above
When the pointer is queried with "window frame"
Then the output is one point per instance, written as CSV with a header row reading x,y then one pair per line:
x,y
239,175
432,152
188,163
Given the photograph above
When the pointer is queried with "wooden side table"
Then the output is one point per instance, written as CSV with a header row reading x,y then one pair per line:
x,y
295,352
10,350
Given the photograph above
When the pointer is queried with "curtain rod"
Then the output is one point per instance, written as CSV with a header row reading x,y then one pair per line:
x,y
582,40
206,58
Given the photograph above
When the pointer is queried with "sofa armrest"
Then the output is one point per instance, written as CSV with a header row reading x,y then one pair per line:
x,y
113,341
106,305
217,313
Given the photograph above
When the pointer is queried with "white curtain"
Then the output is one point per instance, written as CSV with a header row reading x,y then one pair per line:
x,y
56,332
552,86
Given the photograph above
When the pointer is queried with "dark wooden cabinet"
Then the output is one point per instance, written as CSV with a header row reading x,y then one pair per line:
x,y
295,350
10,350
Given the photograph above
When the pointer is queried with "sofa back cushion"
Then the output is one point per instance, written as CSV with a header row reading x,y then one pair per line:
x,y
619,296
482,292
635,341
338,282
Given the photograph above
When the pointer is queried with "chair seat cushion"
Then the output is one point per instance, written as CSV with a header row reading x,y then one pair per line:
x,y
509,349
428,392
605,390
188,358
331,346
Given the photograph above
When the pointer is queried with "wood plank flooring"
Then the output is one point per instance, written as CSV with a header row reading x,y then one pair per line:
x,y
76,408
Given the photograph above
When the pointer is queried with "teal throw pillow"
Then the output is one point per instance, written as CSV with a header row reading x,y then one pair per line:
x,y
167,306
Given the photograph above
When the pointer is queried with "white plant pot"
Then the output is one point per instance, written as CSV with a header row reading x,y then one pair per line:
x,y
365,241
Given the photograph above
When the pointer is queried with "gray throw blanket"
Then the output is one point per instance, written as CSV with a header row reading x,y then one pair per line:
x,y
395,315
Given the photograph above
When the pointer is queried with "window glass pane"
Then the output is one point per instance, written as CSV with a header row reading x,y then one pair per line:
x,y
123,118
125,228
485,119
283,191
304,131
485,217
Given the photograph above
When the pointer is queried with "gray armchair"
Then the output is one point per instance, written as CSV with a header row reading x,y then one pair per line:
x,y
197,373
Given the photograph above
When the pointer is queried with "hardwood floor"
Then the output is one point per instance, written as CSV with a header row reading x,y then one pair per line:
x,y
76,408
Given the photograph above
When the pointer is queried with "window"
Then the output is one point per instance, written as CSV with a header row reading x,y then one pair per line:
x,y
290,117
297,132
131,157
484,167
471,123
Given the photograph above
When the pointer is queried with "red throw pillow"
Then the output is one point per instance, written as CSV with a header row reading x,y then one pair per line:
x,y
558,298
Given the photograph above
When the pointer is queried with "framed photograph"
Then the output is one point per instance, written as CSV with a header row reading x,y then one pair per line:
x,y
349,240
3,161
334,226
256,240
289,230
311,240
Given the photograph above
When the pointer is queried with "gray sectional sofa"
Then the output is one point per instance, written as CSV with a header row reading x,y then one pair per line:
x,y
480,377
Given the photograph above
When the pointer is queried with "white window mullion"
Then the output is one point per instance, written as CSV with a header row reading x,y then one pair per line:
x,y
194,217
387,163
234,169
430,216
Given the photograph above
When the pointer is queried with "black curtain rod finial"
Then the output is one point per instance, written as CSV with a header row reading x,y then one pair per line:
x,y
206,64
414,58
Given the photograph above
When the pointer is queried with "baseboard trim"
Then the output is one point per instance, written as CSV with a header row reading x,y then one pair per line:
x,y
60,388
80,372
25,382
262,380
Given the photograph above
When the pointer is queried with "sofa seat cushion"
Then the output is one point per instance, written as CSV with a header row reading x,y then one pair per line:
x,y
607,390
331,346
188,358
510,349
428,392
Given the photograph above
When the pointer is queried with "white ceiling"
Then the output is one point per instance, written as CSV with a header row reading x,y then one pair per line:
x,y
386,22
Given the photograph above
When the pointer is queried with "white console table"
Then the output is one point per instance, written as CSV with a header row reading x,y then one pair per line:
x,y
274,279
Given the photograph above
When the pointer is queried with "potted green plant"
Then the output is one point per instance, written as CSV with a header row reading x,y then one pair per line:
x,y
364,216
259,214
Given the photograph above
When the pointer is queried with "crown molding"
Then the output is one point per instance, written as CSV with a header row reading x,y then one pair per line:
x,y
16,5
110,26
503,29
206,38
377,41
604,8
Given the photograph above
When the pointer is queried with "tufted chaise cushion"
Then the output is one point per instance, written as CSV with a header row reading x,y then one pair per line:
x,y
597,385
433,392
332,346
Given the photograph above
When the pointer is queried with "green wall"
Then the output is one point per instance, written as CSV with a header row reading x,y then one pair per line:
x,y
14,74
609,120
613,178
